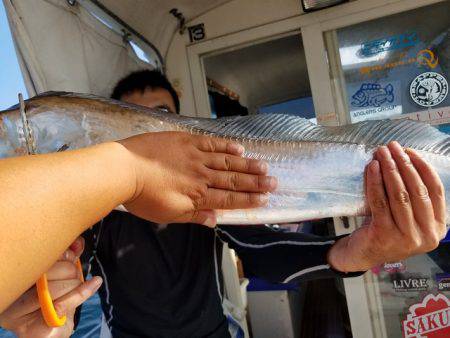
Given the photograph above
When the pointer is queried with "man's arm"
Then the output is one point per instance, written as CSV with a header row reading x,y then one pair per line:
x,y
48,200
279,256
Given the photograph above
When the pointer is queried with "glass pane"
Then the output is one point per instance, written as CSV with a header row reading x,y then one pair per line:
x,y
140,53
405,284
143,51
303,106
399,64
264,77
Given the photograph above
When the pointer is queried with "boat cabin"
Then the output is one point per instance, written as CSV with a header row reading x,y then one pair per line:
x,y
333,62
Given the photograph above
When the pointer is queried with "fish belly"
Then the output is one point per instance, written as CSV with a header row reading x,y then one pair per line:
x,y
316,180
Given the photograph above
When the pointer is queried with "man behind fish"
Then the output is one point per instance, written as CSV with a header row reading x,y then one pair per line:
x,y
164,280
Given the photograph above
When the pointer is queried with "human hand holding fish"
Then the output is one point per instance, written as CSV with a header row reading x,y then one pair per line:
x,y
407,203
208,174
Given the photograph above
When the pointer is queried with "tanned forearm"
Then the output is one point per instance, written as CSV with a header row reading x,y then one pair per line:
x,y
43,208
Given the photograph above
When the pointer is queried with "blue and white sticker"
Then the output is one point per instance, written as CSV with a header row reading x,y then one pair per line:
x,y
393,42
374,100
429,89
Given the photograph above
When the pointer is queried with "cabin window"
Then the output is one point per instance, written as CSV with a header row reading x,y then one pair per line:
x,y
143,50
140,53
263,77
11,79
303,107
398,65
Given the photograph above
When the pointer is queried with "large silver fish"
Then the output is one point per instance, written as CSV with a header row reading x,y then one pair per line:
x,y
320,169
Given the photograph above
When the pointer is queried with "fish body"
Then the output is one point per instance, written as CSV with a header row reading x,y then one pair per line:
x,y
373,95
320,169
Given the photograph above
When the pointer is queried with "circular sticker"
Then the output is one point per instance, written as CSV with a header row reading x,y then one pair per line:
x,y
429,89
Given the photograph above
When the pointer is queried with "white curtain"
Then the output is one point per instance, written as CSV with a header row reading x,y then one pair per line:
x,y
65,48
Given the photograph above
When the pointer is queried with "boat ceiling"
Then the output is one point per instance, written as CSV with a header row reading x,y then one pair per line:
x,y
152,18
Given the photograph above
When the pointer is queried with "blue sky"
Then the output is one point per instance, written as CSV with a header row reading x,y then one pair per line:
x,y
11,81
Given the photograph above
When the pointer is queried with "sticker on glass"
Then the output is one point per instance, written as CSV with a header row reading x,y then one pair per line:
x,y
430,318
427,58
410,284
433,116
399,41
443,281
429,89
374,101
394,267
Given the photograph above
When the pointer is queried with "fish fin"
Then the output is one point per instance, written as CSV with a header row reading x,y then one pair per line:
x,y
54,93
74,95
96,98
288,128
14,107
67,94
45,94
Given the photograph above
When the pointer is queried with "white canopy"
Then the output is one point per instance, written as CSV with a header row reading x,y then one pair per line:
x,y
64,47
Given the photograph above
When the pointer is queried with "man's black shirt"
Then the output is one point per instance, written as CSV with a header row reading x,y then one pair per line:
x,y
165,280
159,281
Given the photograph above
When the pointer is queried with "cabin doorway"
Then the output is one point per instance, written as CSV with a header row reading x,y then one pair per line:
x,y
267,76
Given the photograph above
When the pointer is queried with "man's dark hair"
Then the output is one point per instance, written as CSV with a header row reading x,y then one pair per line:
x,y
140,81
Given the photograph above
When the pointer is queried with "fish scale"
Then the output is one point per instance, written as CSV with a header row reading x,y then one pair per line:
x,y
320,169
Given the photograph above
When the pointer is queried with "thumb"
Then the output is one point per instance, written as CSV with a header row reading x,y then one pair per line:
x,y
69,302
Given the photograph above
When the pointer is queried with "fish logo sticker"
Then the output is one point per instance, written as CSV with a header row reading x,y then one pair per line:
x,y
377,100
428,319
429,89
373,95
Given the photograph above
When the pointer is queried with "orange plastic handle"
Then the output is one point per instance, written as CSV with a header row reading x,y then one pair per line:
x,y
45,300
